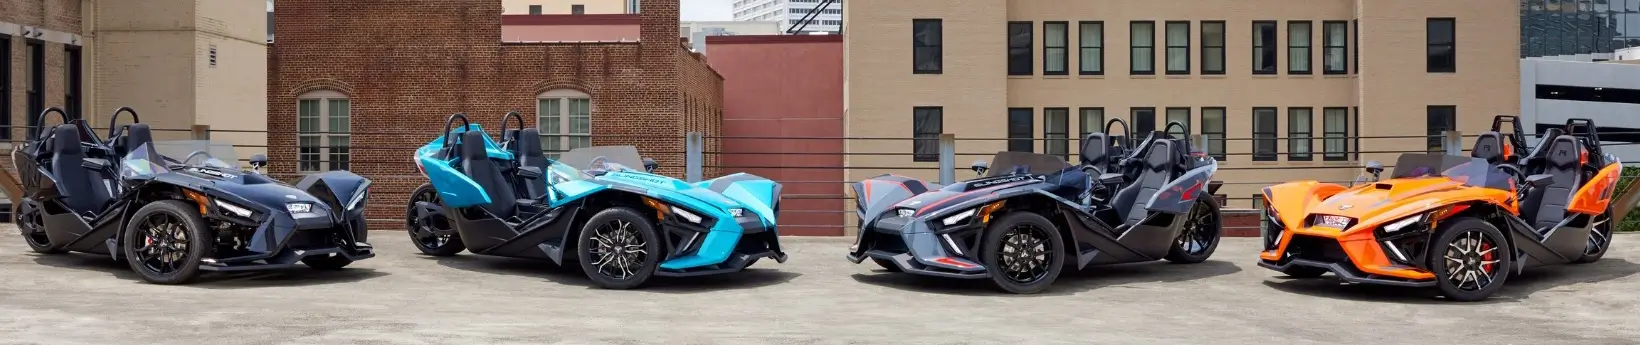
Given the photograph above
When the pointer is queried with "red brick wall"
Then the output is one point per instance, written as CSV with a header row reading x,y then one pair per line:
x,y
406,65
55,15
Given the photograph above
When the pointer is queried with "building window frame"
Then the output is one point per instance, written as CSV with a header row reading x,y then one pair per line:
x,y
564,119
1020,138
1211,50
1300,47
1056,127
34,84
1140,130
1300,134
927,123
1355,42
1052,44
1335,144
1020,41
1093,50
1096,114
74,78
1214,135
1169,118
1264,134
1439,62
1177,47
1335,49
1148,49
535,10
325,143
5,88
927,46
1264,50
1438,120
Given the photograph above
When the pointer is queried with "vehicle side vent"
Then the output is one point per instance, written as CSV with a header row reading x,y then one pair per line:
x,y
1383,186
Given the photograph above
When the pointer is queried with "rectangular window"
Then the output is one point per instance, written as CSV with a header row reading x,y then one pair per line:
x,y
1143,38
308,142
1092,55
1213,131
1335,42
1055,40
1019,48
1442,118
535,9
71,67
1443,55
1264,50
1019,130
1143,120
1092,121
1298,47
1264,134
565,123
1355,38
323,127
5,87
577,9
1056,129
1181,116
1178,47
1335,132
337,141
1213,47
35,85
1300,123
927,46
926,125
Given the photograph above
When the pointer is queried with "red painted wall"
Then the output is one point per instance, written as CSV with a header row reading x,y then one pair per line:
x,y
787,88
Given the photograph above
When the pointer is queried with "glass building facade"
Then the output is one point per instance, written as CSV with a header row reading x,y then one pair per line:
x,y
1573,27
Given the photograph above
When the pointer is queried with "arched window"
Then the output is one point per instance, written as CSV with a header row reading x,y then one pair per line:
x,y
564,118
323,131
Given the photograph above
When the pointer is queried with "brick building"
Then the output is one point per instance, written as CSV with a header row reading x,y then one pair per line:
x,y
359,84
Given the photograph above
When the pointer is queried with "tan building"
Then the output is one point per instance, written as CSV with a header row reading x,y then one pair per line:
x,y
1266,69
569,6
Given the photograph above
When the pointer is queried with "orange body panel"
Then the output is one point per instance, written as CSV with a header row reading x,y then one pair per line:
x,y
1596,194
1371,205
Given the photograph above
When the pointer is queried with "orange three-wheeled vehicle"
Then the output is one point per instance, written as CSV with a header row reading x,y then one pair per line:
x,y
1460,224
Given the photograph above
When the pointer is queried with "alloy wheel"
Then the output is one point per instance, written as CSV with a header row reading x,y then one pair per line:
x,y
33,228
1198,231
422,230
1471,261
619,250
1599,234
1025,254
163,243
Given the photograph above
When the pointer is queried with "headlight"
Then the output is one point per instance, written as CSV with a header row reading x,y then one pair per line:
x,y
299,208
1402,224
691,217
234,209
736,212
905,212
958,218
357,199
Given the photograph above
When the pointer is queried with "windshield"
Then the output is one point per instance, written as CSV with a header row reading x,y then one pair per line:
x,y
141,163
163,156
606,158
1470,171
1007,163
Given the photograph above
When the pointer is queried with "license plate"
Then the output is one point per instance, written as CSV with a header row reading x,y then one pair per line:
x,y
1333,221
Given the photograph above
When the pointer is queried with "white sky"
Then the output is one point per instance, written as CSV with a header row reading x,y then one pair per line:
x,y
704,10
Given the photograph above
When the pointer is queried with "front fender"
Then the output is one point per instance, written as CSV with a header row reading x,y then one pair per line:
x,y
1291,201
343,190
755,193
876,195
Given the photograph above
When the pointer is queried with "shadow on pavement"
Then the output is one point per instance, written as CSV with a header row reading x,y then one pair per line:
x,y
297,276
1069,283
573,276
1518,287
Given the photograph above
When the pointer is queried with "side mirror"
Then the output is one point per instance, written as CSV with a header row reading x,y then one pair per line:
x,y
980,167
258,161
1374,168
649,165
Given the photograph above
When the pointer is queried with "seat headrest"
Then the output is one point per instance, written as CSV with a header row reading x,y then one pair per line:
x,y
136,135
472,145
1549,135
1161,155
528,143
66,139
1564,152
1489,146
1095,149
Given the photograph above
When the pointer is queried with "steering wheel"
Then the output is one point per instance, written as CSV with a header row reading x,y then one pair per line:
x,y
190,157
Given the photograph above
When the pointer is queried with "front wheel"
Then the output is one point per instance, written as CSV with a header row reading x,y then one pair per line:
x,y
1470,259
1200,236
1023,253
618,248
165,241
33,227
1600,239
422,230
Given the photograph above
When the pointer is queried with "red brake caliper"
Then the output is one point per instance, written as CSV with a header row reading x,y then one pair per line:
x,y
1488,257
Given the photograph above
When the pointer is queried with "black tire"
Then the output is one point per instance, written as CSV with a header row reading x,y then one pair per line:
x,y
1479,249
166,220
886,264
330,262
1304,272
1600,239
1026,233
615,236
428,243
1200,236
32,227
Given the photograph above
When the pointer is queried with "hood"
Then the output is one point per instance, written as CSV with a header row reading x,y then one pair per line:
x,y
266,192
704,198
1366,200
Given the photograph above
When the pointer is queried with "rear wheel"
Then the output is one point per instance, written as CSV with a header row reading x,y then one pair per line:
x,y
618,249
1200,236
1023,253
165,241
886,264
422,230
1600,239
33,228
1470,259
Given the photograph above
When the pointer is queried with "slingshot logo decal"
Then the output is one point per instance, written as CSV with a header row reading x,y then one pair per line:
x,y
211,172
1010,179
1344,207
